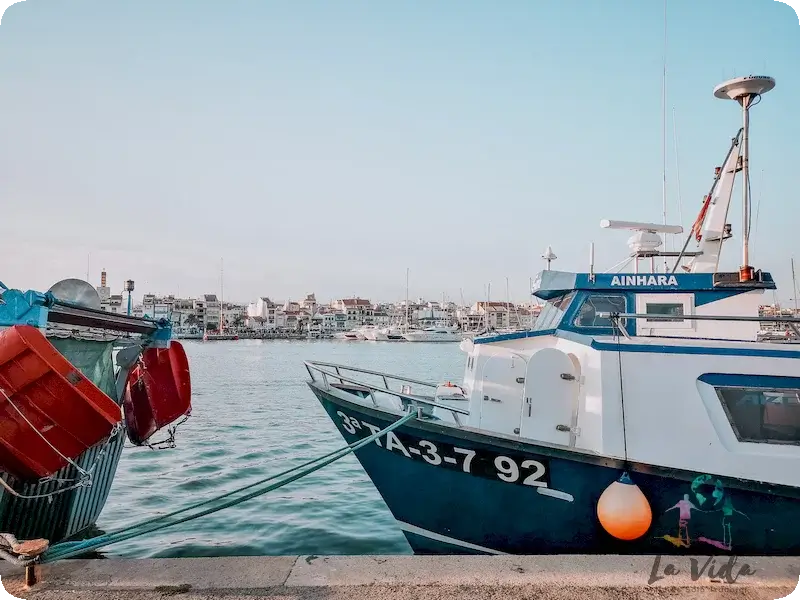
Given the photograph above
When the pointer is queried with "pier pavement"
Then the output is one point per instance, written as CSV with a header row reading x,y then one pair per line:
x,y
412,577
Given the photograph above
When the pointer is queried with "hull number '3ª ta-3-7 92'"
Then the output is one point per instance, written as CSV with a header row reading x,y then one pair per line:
x,y
505,467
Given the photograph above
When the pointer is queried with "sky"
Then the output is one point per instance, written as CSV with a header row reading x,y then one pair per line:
x,y
329,146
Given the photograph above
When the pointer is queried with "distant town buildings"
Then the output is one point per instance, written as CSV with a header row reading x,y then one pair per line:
x,y
266,316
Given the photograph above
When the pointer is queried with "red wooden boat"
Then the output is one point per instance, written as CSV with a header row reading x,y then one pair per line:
x,y
158,392
48,409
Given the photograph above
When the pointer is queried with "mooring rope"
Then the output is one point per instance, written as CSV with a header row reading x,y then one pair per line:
x,y
70,549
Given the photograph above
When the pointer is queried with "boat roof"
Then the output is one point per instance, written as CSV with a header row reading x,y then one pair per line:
x,y
552,284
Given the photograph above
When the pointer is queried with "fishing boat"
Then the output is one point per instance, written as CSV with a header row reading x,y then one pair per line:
x,y
74,379
639,415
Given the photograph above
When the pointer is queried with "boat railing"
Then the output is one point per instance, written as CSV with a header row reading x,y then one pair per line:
x,y
792,322
335,371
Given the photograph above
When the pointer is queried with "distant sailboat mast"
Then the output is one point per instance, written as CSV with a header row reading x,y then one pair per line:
x,y
221,296
486,312
664,137
406,323
508,304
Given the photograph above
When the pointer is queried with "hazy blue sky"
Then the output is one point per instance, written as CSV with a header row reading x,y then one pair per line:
x,y
326,146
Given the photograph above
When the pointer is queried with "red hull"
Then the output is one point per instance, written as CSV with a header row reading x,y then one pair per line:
x,y
62,405
158,392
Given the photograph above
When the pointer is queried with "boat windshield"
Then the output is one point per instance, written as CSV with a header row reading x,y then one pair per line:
x,y
553,311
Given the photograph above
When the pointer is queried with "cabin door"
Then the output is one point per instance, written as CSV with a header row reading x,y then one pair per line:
x,y
550,403
502,381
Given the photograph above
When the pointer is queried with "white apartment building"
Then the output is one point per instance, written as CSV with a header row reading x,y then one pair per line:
x,y
157,308
500,315
265,315
357,311
209,308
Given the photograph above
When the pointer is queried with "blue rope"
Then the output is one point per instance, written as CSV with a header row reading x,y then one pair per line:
x,y
71,549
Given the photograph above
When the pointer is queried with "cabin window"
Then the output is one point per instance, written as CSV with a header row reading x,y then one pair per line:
x,y
666,309
595,304
552,312
770,416
667,305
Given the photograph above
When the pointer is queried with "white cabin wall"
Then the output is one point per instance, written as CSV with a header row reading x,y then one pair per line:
x,y
741,304
670,423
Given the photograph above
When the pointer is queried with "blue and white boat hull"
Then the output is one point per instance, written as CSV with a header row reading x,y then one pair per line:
x,y
455,490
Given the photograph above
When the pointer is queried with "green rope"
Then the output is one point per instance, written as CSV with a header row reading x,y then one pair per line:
x,y
64,545
70,549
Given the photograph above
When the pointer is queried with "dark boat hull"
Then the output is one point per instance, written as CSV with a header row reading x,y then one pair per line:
x,y
459,491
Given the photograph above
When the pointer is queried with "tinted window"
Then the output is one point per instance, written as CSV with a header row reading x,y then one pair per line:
x,y
763,415
588,313
665,309
552,312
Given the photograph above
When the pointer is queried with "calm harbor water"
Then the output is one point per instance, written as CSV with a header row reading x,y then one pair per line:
x,y
254,415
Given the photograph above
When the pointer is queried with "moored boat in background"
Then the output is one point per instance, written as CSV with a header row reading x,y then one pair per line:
x,y
437,333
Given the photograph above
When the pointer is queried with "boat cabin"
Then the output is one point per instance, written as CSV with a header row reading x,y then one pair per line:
x,y
581,303
630,387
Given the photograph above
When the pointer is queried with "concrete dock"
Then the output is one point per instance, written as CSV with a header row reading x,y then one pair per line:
x,y
414,577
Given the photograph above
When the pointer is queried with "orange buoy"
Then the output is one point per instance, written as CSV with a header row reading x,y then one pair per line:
x,y
623,510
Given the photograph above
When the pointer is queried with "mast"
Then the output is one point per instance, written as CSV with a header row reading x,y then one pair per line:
x,y
221,296
794,289
486,312
461,320
406,324
664,133
508,302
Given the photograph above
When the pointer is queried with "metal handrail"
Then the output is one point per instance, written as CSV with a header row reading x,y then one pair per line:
x,y
612,315
316,366
370,372
792,322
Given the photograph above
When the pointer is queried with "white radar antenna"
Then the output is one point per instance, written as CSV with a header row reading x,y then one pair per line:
x,y
644,243
747,91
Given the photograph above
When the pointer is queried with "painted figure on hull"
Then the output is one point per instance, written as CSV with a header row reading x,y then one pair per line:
x,y
685,508
710,497
728,512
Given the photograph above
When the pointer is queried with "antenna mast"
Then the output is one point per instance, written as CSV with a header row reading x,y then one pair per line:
x,y
747,92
